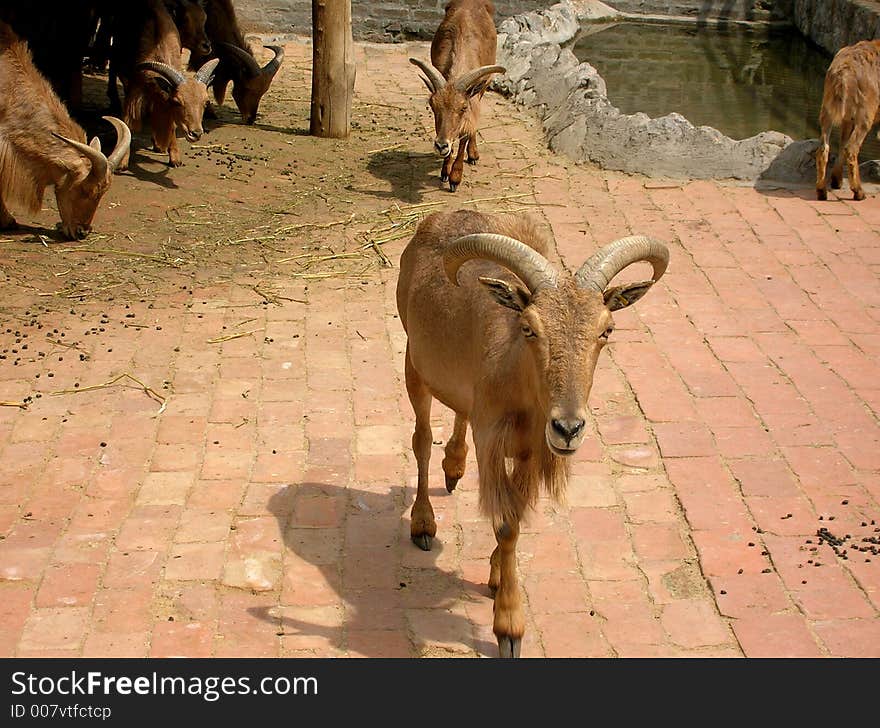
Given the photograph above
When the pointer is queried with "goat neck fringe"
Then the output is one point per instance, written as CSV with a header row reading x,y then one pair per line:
x,y
508,490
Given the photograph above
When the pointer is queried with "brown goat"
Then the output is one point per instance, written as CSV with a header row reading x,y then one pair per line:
x,y
463,58
850,100
157,88
133,33
40,145
510,345
238,64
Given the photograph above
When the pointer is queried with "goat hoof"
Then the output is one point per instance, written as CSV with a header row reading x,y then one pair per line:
x,y
859,195
453,186
835,183
509,647
451,483
443,176
821,194
423,541
472,161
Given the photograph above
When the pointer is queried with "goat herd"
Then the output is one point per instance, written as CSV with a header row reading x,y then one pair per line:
x,y
495,332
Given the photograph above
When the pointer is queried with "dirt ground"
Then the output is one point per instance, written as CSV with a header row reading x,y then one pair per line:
x,y
204,432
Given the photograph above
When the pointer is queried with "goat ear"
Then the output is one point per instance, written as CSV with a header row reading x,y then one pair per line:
x,y
164,84
622,296
507,294
477,88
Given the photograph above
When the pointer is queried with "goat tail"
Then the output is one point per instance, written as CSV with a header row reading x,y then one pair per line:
x,y
836,102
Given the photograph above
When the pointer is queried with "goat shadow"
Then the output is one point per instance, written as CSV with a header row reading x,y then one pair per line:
x,y
353,546
410,174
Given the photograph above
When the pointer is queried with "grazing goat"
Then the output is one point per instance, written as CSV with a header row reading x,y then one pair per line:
x,y
157,89
509,344
40,145
851,100
238,64
463,58
133,30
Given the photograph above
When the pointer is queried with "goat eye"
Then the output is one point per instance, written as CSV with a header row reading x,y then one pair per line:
x,y
527,331
606,333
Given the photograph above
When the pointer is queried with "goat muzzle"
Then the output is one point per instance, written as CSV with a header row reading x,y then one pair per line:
x,y
443,148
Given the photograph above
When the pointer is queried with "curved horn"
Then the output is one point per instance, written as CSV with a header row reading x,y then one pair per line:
x,y
468,79
435,78
172,75
529,265
607,262
95,156
123,141
272,66
205,74
244,59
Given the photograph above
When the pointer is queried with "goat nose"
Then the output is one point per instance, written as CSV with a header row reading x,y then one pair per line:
x,y
569,429
442,147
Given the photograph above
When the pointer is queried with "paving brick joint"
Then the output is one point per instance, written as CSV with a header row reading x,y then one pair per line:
x,y
195,465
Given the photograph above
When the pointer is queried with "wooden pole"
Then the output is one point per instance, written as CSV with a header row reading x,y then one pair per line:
x,y
333,69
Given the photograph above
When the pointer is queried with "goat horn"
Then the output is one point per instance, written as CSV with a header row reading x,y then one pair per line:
x,y
272,66
435,78
172,75
607,262
244,59
123,141
462,83
95,156
528,264
205,74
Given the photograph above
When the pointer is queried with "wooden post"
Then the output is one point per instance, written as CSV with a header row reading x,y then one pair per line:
x,y
333,69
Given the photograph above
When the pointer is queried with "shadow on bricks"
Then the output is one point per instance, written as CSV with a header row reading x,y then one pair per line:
x,y
409,174
351,575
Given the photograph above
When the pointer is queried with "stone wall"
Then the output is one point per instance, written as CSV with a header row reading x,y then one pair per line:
x,y
752,10
833,24
372,20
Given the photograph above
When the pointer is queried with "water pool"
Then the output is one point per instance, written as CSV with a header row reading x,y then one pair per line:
x,y
739,80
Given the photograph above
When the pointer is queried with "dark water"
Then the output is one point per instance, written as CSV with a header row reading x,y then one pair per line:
x,y
738,80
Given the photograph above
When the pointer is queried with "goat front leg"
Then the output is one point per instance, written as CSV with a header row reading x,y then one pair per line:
x,y
457,171
821,165
473,155
422,527
509,623
456,453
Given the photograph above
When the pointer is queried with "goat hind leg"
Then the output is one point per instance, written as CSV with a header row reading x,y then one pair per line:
x,y
456,453
422,527
846,129
851,158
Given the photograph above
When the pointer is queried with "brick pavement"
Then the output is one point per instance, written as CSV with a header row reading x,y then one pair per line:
x,y
257,502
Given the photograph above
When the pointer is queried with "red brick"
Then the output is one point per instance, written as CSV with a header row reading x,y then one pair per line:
x,y
66,585
572,635
683,439
850,637
55,628
694,623
768,634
